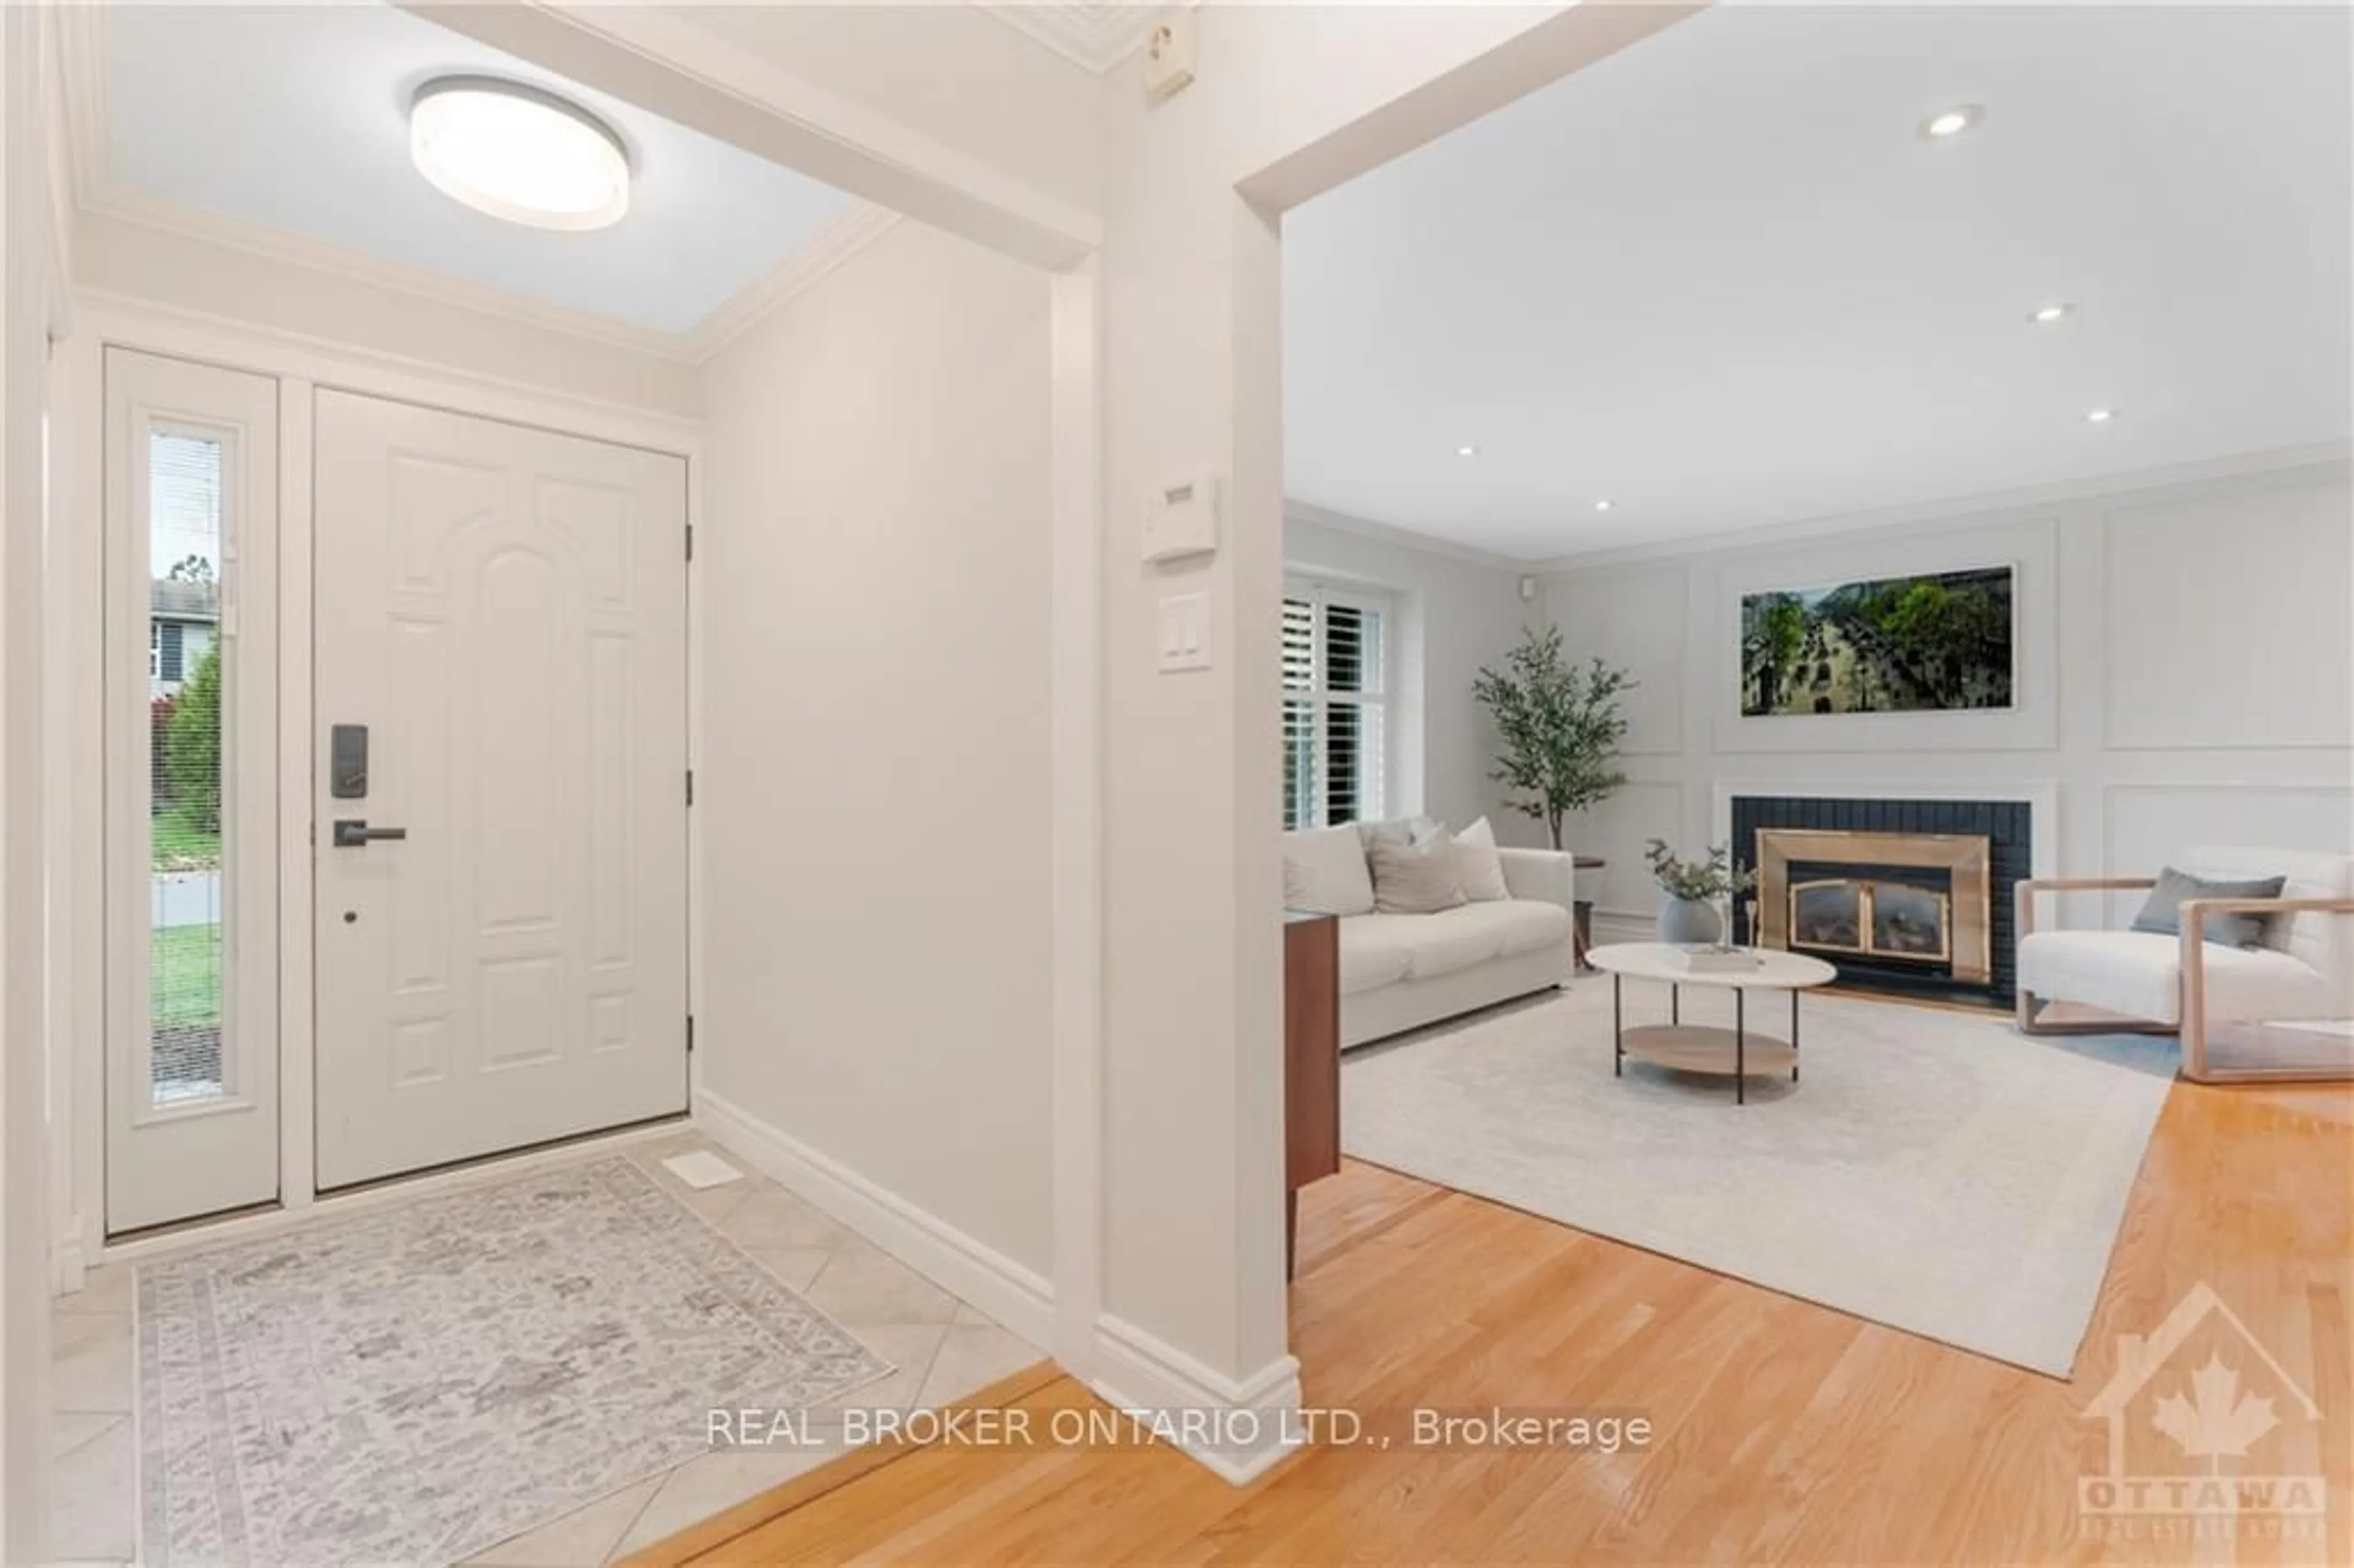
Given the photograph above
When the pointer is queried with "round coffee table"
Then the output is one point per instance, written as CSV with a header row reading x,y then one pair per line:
x,y
1700,1048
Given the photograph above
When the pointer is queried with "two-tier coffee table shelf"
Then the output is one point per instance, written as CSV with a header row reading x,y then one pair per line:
x,y
1736,1052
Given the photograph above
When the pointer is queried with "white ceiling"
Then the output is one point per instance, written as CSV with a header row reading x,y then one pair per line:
x,y
1719,279
296,118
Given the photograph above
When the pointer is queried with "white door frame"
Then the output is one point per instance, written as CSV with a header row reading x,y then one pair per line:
x,y
225,1146
301,365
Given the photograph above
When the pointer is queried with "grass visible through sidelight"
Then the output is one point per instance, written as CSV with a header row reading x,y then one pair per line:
x,y
177,842
184,985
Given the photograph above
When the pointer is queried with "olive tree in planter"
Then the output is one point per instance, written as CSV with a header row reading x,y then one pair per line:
x,y
1560,727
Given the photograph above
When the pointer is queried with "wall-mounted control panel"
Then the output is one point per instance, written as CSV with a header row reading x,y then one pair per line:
x,y
1181,519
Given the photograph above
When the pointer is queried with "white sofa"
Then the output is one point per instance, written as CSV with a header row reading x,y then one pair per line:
x,y
2278,1011
1401,971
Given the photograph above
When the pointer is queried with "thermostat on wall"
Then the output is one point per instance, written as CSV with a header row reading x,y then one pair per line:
x,y
1181,519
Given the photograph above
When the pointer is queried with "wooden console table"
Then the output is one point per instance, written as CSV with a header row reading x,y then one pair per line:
x,y
1311,1063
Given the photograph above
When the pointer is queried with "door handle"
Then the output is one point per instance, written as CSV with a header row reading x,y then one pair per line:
x,y
353,832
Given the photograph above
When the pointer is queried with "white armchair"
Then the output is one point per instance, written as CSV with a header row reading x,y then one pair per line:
x,y
2284,1010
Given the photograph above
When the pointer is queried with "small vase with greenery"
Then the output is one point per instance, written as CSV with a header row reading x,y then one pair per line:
x,y
1694,888
1560,727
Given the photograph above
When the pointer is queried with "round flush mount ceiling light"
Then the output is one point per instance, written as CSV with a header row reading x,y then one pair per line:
x,y
2052,314
1467,451
1948,123
2100,415
1604,505
518,152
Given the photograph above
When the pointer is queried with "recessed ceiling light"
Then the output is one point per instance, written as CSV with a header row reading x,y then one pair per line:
x,y
1947,123
518,152
2100,416
1602,505
2052,314
1467,451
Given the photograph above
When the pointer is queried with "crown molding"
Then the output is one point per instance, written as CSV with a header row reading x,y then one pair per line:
x,y
1402,538
2322,461
1098,37
834,244
165,216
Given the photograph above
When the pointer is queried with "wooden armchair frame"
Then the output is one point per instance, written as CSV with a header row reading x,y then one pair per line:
x,y
2192,1005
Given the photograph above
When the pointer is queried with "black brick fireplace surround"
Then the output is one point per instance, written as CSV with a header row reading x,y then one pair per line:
x,y
2005,824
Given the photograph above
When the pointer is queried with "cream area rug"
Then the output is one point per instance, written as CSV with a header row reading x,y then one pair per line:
x,y
416,1383
1932,1171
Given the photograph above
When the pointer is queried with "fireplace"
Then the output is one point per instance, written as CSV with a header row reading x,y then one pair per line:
x,y
1907,897
1870,901
1871,917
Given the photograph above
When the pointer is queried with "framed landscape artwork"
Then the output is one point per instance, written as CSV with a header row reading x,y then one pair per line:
x,y
1935,643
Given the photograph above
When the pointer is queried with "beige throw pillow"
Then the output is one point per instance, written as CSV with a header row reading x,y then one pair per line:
x,y
1419,878
1324,872
1479,866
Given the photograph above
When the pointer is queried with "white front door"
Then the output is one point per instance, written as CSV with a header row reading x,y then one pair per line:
x,y
505,611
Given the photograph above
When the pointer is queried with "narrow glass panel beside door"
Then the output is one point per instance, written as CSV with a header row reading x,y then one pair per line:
x,y
192,762
187,678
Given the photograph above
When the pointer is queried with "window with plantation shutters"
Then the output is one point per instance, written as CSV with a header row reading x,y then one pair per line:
x,y
1334,686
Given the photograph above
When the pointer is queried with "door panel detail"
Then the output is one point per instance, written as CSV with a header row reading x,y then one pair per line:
x,y
505,609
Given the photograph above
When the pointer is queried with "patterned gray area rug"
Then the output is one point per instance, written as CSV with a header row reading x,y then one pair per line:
x,y
416,1384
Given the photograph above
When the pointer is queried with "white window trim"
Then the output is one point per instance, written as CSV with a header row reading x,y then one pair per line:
x,y
1375,760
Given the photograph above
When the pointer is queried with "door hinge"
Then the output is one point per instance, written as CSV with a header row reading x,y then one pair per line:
x,y
690,786
690,1034
690,541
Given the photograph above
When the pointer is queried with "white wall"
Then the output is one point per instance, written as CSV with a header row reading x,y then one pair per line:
x,y
873,785
2185,675
1451,615
31,292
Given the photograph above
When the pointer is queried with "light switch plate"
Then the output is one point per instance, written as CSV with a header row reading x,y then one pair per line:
x,y
1185,631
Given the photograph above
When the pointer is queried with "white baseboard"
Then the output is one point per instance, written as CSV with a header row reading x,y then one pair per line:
x,y
1252,1423
1610,927
1255,1421
66,1264
1015,1295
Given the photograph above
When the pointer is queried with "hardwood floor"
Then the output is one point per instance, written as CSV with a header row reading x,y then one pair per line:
x,y
1787,1432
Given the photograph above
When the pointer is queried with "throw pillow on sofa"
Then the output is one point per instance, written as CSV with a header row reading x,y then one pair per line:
x,y
1324,872
1478,866
1398,829
2163,912
1418,878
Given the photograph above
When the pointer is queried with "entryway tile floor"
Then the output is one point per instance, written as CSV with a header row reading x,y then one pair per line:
x,y
943,1348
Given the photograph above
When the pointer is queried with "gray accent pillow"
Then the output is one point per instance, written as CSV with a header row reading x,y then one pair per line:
x,y
2162,913
1398,829
1419,879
